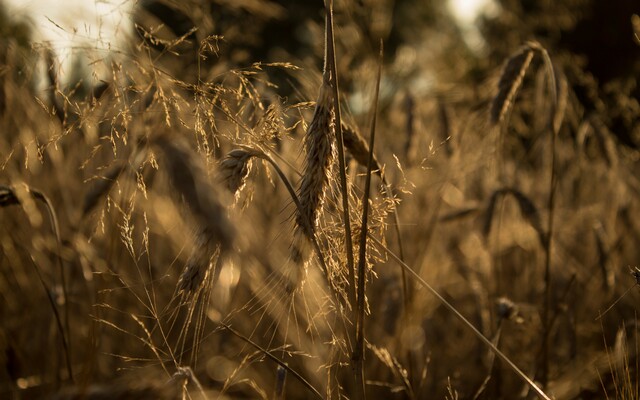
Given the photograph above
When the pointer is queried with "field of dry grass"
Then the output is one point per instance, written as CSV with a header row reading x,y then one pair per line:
x,y
206,220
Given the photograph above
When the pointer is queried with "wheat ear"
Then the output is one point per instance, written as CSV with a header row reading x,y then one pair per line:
x,y
527,208
189,178
235,168
358,147
319,148
511,78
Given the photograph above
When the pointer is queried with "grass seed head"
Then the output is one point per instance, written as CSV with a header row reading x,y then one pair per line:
x,y
510,81
319,147
358,147
235,168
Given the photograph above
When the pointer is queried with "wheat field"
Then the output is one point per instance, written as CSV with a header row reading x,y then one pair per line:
x,y
348,200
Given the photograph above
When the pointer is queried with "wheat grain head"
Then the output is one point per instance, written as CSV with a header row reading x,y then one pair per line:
x,y
511,79
319,146
188,177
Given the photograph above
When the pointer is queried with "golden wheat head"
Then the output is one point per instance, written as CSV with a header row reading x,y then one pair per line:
x,y
319,146
235,168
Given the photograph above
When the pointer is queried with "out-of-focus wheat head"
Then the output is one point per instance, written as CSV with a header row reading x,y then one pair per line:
x,y
189,178
511,79
215,233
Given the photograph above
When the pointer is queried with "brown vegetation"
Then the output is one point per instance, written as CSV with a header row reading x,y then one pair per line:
x,y
199,227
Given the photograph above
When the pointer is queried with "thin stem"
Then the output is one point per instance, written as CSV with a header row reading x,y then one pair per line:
x,y
295,199
314,240
56,315
548,243
53,221
358,353
464,320
275,359
331,70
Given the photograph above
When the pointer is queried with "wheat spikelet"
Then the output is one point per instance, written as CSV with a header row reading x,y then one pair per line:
x,y
511,79
319,146
200,264
235,168
188,176
358,147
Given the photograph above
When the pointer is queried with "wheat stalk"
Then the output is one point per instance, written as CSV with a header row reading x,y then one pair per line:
x,y
508,86
8,197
